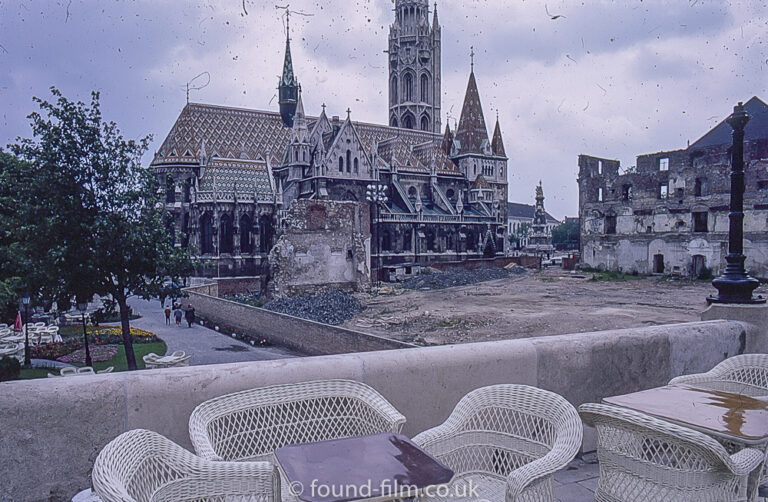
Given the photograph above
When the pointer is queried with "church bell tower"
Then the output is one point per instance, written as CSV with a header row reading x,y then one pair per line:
x,y
288,87
414,67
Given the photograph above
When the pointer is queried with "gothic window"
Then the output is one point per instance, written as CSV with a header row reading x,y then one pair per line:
x,y
246,247
386,241
393,122
225,234
170,190
424,89
408,122
187,190
450,194
424,124
265,233
185,231
430,237
393,89
304,156
206,234
407,241
408,88
412,193
341,164
349,161
357,166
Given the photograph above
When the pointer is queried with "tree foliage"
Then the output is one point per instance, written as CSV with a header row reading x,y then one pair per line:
x,y
566,235
91,221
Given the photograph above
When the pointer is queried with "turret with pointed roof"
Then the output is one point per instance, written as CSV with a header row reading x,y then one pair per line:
x,y
288,87
472,134
497,144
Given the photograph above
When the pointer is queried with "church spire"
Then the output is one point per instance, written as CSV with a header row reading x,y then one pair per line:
x,y
288,87
497,144
472,133
435,23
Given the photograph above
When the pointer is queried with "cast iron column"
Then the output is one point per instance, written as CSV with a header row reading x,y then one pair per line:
x,y
734,285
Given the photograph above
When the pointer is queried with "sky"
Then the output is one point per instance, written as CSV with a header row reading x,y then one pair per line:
x,y
613,79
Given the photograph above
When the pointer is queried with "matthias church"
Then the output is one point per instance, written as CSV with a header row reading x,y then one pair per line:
x,y
231,174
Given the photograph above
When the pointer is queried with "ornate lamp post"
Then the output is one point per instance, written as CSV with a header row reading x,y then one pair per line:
x,y
24,305
376,194
82,306
734,285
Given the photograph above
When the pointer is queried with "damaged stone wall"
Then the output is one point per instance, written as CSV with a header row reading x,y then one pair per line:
x,y
670,214
324,246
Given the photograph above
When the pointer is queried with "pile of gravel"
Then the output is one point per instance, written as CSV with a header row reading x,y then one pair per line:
x,y
333,307
450,278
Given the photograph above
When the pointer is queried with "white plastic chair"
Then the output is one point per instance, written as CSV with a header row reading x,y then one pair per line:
x,y
143,466
506,441
643,458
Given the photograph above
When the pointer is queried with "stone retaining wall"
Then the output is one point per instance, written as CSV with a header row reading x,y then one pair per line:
x,y
302,335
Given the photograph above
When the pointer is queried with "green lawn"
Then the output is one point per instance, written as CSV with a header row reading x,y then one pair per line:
x,y
140,350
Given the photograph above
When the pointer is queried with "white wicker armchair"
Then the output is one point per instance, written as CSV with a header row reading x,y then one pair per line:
x,y
744,374
252,424
643,458
144,466
507,441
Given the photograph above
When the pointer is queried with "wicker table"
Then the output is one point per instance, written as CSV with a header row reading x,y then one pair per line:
x,y
378,467
735,418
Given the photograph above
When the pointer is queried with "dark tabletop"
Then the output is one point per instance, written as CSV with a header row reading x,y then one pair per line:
x,y
722,413
361,467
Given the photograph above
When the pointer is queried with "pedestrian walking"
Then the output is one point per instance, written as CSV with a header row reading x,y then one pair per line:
x,y
189,315
168,315
177,314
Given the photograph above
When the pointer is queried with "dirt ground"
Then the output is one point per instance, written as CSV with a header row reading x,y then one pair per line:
x,y
549,302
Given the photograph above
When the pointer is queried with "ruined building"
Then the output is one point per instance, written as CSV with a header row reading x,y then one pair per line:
x,y
669,215
231,175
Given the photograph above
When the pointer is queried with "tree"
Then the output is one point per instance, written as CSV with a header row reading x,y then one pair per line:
x,y
566,235
92,211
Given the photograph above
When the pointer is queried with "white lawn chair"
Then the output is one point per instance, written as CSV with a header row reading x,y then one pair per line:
x,y
141,465
743,374
643,458
252,424
108,369
507,441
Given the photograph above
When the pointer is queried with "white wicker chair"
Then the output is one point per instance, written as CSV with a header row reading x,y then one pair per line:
x,y
744,374
644,459
144,466
507,441
252,424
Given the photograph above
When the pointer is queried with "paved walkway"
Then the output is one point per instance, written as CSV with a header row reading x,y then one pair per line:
x,y
206,346
578,481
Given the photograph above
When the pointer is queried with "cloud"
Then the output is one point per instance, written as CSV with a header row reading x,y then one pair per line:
x,y
613,79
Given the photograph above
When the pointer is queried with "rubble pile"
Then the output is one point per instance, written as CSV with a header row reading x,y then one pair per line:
x,y
333,307
451,278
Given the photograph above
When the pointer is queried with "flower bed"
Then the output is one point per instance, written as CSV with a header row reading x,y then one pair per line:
x,y
100,353
104,335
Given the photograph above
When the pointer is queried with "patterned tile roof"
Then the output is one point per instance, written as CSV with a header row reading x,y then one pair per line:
x,y
238,133
241,176
472,133
497,144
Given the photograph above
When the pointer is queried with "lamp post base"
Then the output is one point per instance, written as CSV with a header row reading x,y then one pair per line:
x,y
735,288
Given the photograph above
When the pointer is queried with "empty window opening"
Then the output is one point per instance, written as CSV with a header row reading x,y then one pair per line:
x,y
663,191
700,221
626,192
698,187
664,164
762,185
599,195
610,224
658,264
680,193
599,167
341,164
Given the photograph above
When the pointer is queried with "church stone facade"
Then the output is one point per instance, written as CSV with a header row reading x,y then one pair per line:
x,y
231,174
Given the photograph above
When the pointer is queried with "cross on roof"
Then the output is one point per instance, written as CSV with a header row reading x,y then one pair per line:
x,y
472,57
